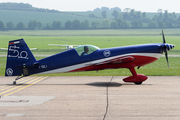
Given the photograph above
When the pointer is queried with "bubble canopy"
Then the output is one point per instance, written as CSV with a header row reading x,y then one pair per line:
x,y
81,49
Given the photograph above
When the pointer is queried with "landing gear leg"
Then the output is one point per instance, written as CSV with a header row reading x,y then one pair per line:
x,y
133,71
136,78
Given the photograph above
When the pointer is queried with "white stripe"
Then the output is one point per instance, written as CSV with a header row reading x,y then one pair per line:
x,y
156,55
16,42
74,67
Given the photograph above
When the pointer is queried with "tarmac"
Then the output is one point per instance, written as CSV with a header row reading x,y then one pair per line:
x,y
89,98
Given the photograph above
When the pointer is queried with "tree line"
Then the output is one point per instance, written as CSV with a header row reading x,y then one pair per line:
x,y
121,20
136,19
55,25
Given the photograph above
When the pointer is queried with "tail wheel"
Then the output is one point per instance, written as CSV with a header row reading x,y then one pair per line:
x,y
14,83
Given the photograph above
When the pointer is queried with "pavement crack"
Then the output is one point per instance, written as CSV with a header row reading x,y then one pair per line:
x,y
107,98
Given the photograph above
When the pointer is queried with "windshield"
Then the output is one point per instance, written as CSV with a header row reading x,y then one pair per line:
x,y
86,49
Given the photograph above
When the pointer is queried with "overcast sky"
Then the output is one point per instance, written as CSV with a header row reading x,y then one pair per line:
x,y
85,5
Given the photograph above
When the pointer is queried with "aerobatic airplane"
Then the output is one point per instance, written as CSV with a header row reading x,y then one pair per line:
x,y
21,62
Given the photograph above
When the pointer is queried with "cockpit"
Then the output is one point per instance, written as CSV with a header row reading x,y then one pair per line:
x,y
86,49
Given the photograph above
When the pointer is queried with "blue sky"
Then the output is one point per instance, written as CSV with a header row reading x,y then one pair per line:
x,y
85,5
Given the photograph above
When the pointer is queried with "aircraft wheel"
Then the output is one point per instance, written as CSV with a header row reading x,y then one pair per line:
x,y
14,83
138,83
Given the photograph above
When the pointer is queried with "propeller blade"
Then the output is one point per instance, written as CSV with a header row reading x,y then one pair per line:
x,y
164,41
166,54
165,47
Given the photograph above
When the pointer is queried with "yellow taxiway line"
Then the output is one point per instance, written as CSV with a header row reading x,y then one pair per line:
x,y
15,88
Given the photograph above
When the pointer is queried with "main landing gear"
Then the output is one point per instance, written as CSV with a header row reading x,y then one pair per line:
x,y
136,78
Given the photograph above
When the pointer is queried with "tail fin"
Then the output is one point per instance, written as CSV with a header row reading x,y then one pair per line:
x,y
19,55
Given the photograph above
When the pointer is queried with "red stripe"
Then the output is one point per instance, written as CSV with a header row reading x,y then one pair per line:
x,y
138,61
11,43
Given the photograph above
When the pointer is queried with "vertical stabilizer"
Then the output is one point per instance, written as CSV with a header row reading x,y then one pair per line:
x,y
18,56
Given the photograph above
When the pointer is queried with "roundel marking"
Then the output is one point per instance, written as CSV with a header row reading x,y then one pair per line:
x,y
107,53
9,72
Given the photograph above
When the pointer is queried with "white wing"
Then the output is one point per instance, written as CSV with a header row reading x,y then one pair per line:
x,y
67,46
7,48
3,49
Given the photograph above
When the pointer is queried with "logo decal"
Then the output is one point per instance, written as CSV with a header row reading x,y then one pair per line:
x,y
107,53
14,52
9,72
